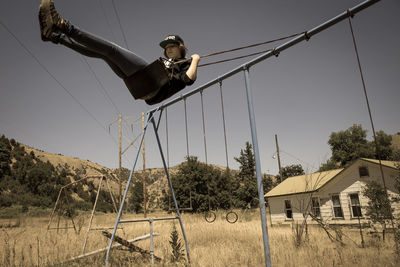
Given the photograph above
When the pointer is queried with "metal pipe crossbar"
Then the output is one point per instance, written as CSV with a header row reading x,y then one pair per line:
x,y
150,219
305,36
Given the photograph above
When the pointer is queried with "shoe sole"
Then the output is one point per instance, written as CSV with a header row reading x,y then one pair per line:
x,y
45,20
42,24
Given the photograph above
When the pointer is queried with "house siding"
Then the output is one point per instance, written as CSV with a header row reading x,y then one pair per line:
x,y
346,183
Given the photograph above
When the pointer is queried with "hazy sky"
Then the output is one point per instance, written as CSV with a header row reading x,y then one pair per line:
x,y
309,91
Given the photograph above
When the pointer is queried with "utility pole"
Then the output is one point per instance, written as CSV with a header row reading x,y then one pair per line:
x,y
144,170
120,152
279,158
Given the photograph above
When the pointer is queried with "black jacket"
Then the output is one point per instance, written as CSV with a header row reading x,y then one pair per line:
x,y
177,81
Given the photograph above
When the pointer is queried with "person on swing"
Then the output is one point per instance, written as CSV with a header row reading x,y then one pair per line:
x,y
124,63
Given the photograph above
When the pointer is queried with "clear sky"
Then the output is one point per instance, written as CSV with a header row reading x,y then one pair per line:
x,y
309,91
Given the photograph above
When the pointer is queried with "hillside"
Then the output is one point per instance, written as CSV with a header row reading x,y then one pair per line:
x,y
73,163
155,178
32,177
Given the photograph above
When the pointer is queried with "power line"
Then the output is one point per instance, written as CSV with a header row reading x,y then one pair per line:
x,y
108,98
105,94
120,25
51,75
105,16
54,78
112,32
309,164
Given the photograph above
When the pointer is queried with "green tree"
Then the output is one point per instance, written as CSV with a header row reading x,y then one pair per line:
x,y
136,196
201,182
5,157
350,145
246,193
268,183
105,202
290,171
379,209
199,186
247,163
384,142
395,155
29,181
330,164
224,187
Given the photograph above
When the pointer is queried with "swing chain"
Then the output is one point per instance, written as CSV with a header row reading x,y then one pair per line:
x,y
240,48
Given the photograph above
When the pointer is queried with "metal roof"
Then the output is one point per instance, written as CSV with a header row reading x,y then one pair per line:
x,y
303,183
387,163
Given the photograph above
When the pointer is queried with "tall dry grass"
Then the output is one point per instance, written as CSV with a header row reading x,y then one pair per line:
x,y
216,244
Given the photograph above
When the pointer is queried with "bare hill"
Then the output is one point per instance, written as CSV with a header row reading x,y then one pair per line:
x,y
74,163
155,177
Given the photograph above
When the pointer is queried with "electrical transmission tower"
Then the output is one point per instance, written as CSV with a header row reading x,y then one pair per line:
x,y
129,120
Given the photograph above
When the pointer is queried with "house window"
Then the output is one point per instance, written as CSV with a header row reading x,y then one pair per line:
x,y
355,205
315,207
363,171
337,207
288,209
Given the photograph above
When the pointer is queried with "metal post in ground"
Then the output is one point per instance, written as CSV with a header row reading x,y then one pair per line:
x,y
151,242
258,167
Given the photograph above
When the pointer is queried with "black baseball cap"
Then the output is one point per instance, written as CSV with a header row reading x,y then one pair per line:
x,y
171,39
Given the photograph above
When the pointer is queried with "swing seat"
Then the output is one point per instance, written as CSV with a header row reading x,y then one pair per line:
x,y
148,80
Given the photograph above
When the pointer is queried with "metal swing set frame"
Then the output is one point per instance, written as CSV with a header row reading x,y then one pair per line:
x,y
245,68
62,194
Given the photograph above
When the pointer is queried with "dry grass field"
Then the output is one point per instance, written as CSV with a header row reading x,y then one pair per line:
x,y
25,243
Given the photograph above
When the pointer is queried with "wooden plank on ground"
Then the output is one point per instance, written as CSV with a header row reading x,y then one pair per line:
x,y
132,247
113,246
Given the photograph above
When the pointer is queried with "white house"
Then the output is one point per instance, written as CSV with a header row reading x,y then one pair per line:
x,y
334,195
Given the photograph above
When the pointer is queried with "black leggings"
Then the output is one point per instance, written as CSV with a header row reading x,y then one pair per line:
x,y
122,61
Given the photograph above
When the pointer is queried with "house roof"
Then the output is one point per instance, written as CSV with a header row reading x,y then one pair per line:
x,y
387,163
303,183
313,182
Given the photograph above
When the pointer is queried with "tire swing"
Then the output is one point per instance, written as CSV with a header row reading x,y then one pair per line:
x,y
231,216
210,216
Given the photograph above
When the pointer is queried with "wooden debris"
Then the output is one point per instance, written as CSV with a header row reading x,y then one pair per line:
x,y
140,238
132,247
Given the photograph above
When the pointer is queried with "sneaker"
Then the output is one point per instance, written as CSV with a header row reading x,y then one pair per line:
x,y
45,20
58,21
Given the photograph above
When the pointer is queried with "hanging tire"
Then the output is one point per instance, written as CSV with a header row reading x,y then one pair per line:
x,y
232,217
210,216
